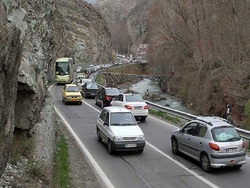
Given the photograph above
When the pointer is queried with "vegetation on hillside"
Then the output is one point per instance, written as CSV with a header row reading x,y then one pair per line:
x,y
203,49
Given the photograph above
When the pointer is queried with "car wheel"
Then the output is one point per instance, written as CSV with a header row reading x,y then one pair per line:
x,y
110,147
84,95
237,166
205,163
80,103
96,101
143,119
140,151
175,149
99,138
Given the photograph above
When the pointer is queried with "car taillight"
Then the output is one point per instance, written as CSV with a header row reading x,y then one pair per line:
x,y
145,107
214,147
128,107
108,98
243,144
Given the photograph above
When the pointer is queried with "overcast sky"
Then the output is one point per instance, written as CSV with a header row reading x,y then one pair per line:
x,y
91,1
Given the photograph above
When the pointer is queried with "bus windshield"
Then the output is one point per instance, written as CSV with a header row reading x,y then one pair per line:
x,y
62,68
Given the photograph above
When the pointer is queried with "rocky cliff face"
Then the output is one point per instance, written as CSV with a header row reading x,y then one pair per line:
x,y
134,12
115,10
10,50
81,33
33,34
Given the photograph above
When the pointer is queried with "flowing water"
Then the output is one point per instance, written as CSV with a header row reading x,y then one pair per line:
x,y
166,100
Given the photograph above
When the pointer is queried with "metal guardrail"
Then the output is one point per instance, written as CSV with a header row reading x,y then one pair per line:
x,y
186,116
243,133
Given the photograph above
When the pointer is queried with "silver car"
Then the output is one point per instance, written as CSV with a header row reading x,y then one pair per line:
x,y
212,141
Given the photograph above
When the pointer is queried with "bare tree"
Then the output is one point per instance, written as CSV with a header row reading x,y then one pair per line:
x,y
121,40
205,43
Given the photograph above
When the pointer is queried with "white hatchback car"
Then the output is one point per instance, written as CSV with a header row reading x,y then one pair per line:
x,y
117,127
133,102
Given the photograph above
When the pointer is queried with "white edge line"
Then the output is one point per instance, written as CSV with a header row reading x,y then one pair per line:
x,y
105,182
184,167
168,124
101,175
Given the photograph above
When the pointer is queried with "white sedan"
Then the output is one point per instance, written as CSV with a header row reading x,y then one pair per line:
x,y
118,129
133,102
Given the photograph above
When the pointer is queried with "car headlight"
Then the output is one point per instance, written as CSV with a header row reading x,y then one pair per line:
x,y
140,138
118,138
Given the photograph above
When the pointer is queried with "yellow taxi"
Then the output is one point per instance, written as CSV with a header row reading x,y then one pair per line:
x,y
71,94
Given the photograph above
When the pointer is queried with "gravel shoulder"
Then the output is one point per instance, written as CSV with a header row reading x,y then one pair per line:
x,y
81,174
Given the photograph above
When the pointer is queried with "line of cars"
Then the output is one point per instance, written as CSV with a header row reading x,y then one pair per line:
x,y
211,140
117,125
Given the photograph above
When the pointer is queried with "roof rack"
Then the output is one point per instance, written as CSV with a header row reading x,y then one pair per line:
x,y
207,118
208,122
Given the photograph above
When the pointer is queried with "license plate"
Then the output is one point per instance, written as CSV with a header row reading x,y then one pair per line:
x,y
231,150
130,145
137,108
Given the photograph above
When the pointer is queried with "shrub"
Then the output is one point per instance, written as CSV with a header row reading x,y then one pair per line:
x,y
247,114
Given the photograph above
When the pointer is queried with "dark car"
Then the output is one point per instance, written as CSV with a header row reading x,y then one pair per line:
x,y
105,95
89,89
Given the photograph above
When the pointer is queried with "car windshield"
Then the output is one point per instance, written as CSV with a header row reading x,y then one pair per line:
x,y
134,98
72,89
91,86
225,134
113,91
122,119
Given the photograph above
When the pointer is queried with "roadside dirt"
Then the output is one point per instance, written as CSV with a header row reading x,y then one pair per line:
x,y
81,174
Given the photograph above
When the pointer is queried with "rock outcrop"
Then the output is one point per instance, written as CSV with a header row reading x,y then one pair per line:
x,y
10,51
33,34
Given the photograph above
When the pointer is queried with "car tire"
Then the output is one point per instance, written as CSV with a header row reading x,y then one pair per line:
x,y
99,138
80,103
140,151
96,102
174,145
205,163
237,166
110,147
143,119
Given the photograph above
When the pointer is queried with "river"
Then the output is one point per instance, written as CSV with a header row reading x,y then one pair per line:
x,y
154,89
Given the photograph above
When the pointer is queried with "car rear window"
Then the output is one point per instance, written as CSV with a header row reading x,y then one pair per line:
x,y
134,98
112,91
92,86
225,134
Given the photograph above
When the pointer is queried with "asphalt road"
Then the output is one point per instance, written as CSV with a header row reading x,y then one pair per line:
x,y
156,167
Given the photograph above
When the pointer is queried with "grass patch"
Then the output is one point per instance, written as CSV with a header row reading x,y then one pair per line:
x,y
61,164
165,116
100,79
35,169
